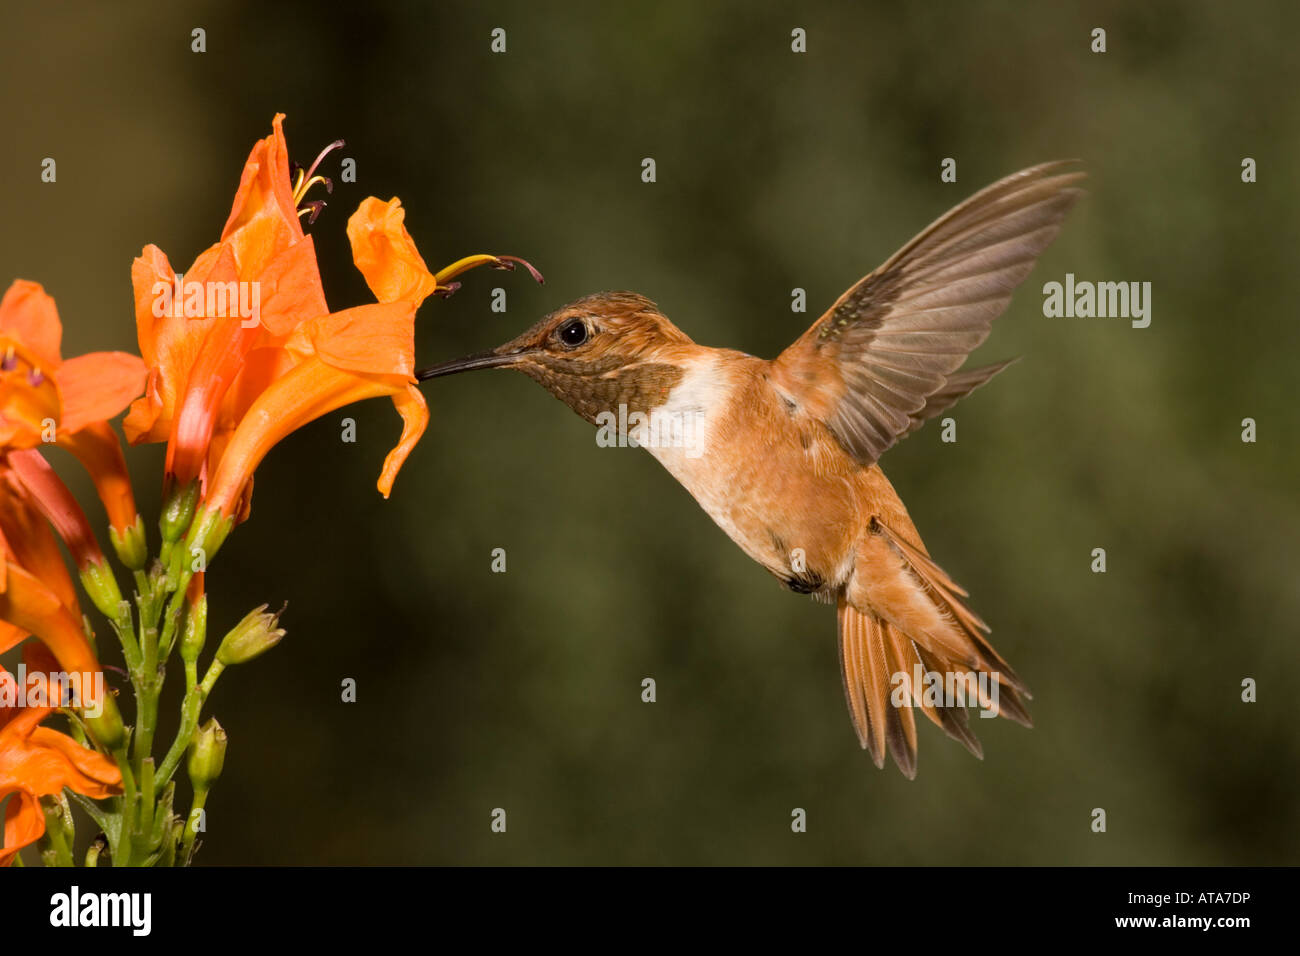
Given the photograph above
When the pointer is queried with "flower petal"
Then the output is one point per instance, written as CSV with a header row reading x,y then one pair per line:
x,y
385,253
375,339
303,394
415,418
30,407
32,545
30,605
11,636
149,272
169,341
97,386
263,208
28,314
84,770
290,289
24,822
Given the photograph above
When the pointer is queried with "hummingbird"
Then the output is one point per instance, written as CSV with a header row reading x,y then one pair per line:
x,y
783,453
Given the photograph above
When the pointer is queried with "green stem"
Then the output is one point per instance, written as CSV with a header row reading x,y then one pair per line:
x,y
171,621
142,826
56,846
124,627
191,710
187,841
146,691
126,803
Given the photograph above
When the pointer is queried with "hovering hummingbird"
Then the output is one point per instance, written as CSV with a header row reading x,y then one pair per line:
x,y
783,452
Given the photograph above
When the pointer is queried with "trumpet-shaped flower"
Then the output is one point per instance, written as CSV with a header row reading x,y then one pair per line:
x,y
206,364
338,358
222,392
44,399
38,761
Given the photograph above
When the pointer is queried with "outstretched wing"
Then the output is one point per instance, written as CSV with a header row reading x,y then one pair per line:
x,y
897,337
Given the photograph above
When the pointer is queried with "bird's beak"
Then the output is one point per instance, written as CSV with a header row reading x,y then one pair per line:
x,y
496,358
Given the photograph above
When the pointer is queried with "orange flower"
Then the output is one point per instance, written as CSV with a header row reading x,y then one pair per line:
x,y
44,398
222,392
204,370
29,607
335,359
35,762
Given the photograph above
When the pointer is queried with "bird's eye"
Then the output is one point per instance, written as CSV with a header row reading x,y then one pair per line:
x,y
573,333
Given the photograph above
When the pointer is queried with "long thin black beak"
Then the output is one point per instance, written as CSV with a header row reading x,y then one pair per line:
x,y
467,364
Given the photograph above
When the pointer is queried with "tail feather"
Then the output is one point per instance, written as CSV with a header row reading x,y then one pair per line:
x,y
867,664
854,646
947,596
952,720
902,727
903,611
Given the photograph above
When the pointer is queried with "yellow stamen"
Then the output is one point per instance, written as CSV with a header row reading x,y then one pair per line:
x,y
463,265
301,188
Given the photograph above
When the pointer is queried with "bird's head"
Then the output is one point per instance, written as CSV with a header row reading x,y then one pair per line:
x,y
595,354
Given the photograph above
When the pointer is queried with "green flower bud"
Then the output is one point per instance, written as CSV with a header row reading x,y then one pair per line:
x,y
254,635
196,630
131,547
97,578
108,728
178,512
207,755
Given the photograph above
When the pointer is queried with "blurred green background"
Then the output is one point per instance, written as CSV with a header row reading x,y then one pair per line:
x,y
776,170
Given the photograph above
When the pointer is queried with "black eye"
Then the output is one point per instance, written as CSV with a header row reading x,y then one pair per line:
x,y
573,333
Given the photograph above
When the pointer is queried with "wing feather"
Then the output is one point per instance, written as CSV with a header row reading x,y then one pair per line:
x,y
898,336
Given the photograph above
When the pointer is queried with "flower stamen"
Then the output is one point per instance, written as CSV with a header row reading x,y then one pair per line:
x,y
508,263
307,178
312,209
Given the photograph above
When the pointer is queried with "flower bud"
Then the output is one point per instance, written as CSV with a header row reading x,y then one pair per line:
x,y
254,635
196,630
207,755
107,728
178,512
131,547
97,578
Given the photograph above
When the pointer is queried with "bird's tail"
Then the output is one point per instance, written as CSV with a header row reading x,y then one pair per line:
x,y
907,640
